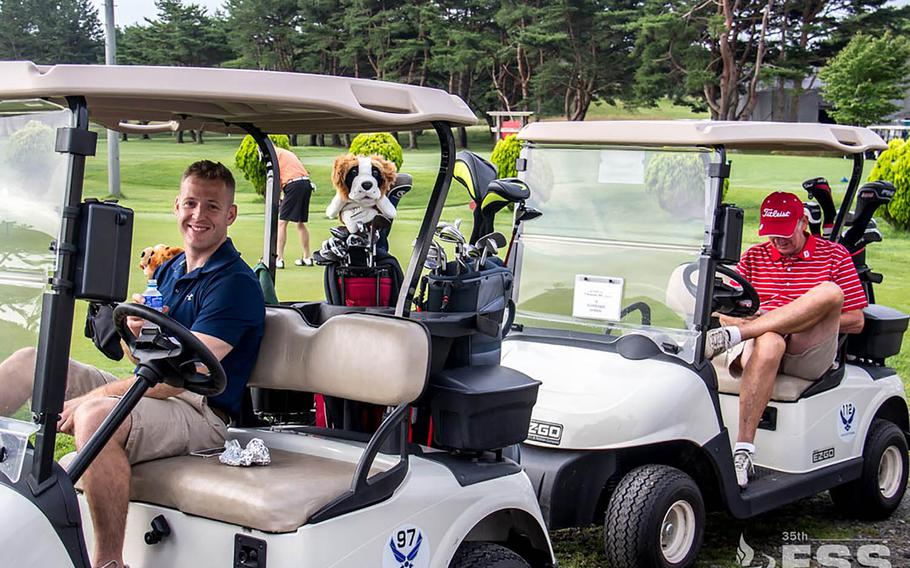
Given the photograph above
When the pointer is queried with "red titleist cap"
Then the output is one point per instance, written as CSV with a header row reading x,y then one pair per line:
x,y
780,213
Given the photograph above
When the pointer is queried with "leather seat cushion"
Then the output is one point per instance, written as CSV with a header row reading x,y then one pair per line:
x,y
279,497
787,388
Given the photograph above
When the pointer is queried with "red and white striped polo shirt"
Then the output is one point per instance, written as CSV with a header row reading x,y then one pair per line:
x,y
781,279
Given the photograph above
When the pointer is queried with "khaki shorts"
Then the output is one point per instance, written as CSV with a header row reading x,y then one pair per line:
x,y
811,364
160,428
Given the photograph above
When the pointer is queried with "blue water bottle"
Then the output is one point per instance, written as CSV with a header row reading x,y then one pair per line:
x,y
153,298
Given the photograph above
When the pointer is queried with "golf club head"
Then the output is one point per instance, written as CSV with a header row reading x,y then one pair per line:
x,y
820,190
340,232
872,236
813,212
356,240
450,234
495,240
527,214
400,187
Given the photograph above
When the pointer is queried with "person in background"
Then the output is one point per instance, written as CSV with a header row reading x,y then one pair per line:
x,y
295,205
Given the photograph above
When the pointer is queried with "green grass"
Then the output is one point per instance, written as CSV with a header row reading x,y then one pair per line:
x,y
150,175
665,110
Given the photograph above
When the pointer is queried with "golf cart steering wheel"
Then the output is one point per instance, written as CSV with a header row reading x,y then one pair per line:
x,y
729,300
170,351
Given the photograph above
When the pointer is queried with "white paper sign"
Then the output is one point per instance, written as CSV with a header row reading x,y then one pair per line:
x,y
597,297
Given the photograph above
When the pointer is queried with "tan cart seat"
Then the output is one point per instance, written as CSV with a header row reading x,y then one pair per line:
x,y
279,497
787,388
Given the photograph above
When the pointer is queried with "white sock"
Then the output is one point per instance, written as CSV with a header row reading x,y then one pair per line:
x,y
744,446
734,334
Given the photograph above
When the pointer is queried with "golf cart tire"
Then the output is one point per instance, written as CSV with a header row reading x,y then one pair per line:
x,y
636,512
862,498
486,555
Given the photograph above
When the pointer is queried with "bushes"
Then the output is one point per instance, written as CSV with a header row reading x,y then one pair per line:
x,y
29,146
678,182
504,156
381,143
247,160
894,165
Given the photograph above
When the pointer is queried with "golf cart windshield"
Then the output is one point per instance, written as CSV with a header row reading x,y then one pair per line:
x,y
619,226
32,187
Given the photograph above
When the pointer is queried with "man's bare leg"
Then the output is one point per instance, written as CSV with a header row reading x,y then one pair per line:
x,y
802,314
282,237
304,239
106,481
17,376
757,383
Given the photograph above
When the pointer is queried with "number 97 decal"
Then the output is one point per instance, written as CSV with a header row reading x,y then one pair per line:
x,y
406,547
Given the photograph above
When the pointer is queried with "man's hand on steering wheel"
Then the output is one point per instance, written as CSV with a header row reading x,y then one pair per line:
x,y
135,324
738,301
168,352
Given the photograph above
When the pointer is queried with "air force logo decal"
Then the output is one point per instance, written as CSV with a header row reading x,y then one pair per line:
x,y
847,421
406,547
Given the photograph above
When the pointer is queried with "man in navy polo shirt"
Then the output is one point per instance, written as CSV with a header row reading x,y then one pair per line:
x,y
809,293
210,291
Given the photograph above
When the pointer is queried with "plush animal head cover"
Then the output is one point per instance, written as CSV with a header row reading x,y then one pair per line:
x,y
359,178
362,185
152,257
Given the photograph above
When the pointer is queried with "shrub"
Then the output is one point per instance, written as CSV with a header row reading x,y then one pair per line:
x,y
380,143
678,182
894,165
504,156
247,160
30,145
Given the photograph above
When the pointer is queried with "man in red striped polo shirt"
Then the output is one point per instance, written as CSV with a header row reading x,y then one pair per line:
x,y
809,292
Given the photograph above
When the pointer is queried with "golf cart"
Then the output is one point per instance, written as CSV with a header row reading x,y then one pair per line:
x,y
329,497
616,284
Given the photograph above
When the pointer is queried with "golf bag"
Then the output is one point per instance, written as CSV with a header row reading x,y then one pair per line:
x,y
487,293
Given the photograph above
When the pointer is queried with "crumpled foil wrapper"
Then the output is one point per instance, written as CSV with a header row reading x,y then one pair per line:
x,y
255,453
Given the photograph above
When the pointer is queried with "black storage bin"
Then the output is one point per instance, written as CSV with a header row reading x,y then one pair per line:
x,y
277,406
882,334
486,293
480,408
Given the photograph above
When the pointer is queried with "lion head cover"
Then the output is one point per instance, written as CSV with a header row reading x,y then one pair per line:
x,y
362,186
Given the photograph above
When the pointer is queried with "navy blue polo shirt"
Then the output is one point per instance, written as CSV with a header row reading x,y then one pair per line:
x,y
223,299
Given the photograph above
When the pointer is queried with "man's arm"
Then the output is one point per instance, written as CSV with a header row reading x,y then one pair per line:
x,y
852,321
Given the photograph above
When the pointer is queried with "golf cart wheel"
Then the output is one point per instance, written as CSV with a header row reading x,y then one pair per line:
x,y
655,518
879,491
486,555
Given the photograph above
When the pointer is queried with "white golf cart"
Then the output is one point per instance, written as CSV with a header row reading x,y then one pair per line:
x,y
329,497
616,285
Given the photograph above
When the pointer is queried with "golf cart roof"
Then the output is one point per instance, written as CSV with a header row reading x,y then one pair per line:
x,y
286,103
732,135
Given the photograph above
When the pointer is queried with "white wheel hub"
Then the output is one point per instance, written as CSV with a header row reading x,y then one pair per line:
x,y
677,531
890,472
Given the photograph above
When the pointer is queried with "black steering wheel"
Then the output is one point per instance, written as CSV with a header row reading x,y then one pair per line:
x,y
729,300
170,351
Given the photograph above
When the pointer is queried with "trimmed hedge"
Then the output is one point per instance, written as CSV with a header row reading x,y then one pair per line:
x,y
380,143
678,182
505,155
894,165
247,160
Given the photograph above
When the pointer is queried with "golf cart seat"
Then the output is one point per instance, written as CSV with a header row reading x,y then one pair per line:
x,y
787,388
339,358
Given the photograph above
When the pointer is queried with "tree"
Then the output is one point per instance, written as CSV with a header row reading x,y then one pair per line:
x,y
264,33
51,31
864,79
708,52
181,35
